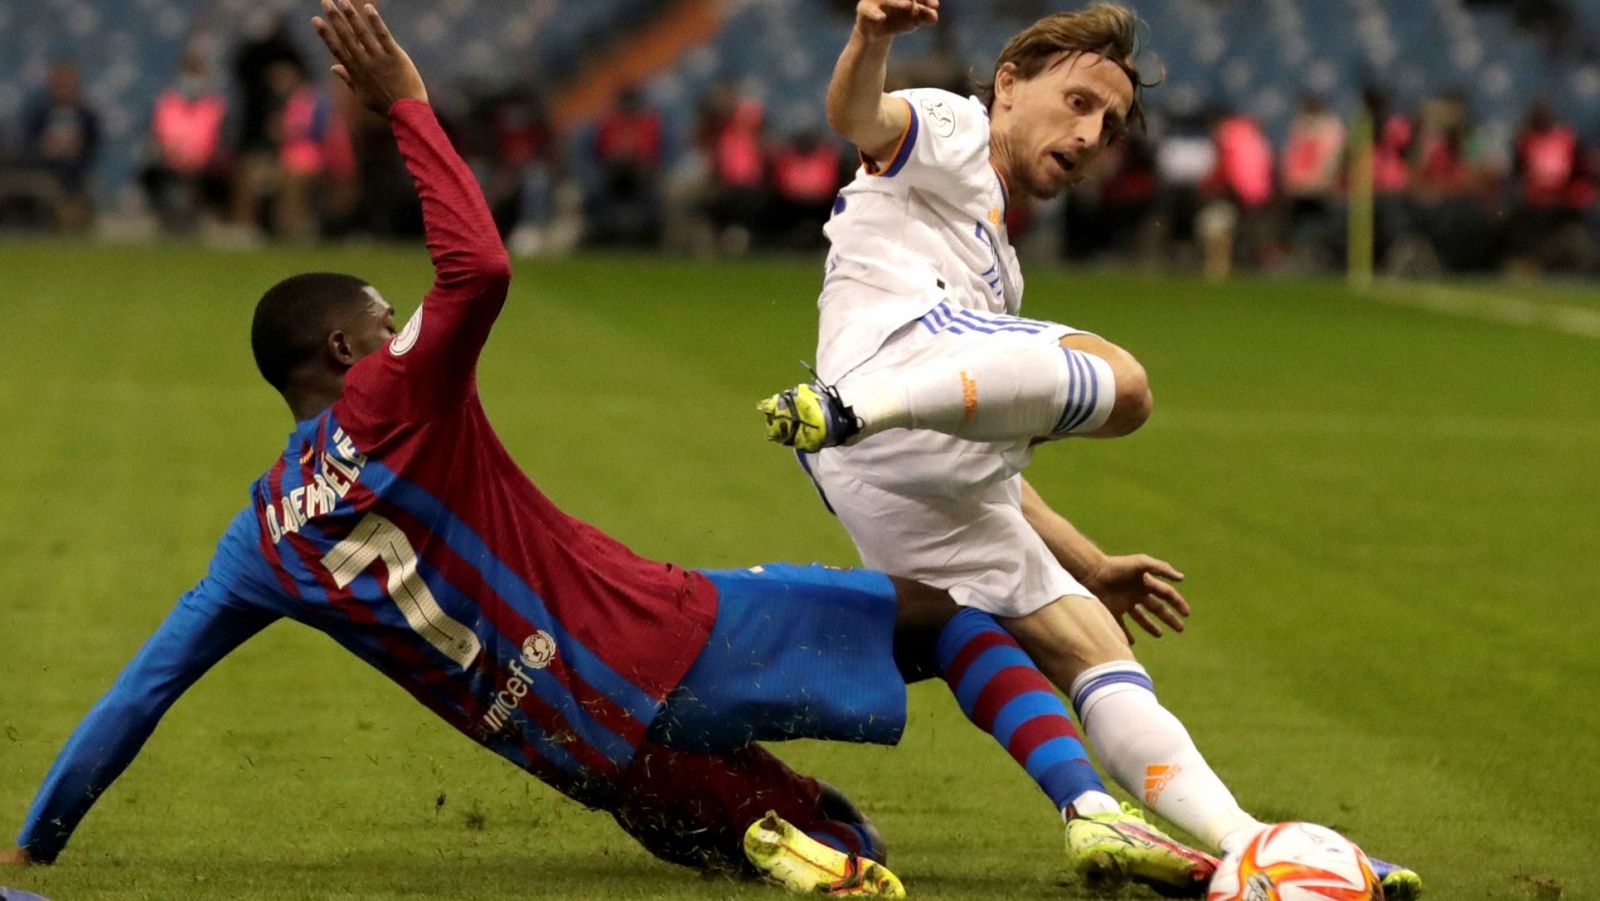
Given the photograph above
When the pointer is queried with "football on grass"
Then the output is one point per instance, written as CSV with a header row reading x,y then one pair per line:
x,y
1296,862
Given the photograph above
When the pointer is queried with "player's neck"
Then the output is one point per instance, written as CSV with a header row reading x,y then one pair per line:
x,y
1000,159
312,388
308,401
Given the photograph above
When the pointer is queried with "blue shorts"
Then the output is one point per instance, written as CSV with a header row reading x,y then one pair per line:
x,y
796,652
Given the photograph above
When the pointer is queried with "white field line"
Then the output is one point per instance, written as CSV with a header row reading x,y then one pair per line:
x,y
1492,306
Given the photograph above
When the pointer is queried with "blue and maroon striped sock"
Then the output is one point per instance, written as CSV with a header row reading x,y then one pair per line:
x,y
1003,693
847,837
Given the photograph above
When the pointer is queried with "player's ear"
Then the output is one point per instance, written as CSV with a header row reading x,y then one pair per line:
x,y
339,348
1005,84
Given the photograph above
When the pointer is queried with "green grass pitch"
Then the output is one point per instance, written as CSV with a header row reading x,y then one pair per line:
x,y
1388,518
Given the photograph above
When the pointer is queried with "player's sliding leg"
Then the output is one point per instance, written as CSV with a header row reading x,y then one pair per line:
x,y
693,809
1001,690
996,391
804,652
1003,693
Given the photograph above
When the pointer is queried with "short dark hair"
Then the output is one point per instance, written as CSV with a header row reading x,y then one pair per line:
x,y
295,316
1106,29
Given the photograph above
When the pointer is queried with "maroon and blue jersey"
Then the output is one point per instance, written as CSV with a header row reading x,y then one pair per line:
x,y
396,522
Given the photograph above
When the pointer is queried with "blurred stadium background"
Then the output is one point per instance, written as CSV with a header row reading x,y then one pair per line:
x,y
696,125
1384,500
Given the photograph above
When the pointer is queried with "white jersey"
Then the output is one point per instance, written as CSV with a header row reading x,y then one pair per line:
x,y
924,226
922,270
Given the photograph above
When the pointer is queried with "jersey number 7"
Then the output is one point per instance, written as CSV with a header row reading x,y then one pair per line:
x,y
376,538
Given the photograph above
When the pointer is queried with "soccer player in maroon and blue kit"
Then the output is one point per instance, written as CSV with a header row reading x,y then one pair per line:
x,y
397,523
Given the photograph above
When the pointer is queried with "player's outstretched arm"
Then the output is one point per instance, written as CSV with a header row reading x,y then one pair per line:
x,y
1136,586
472,273
201,630
858,109
367,58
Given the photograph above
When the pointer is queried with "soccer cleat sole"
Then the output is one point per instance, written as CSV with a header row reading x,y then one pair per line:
x,y
796,418
794,861
781,418
1402,885
1115,859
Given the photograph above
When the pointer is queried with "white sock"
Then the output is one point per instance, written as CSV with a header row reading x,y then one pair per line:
x,y
1151,755
1006,393
1091,802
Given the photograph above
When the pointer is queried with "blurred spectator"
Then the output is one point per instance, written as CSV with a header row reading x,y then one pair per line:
x,y
627,143
1313,162
1449,192
1392,136
305,165
717,192
61,139
261,67
733,131
313,154
1448,159
524,167
187,170
1244,161
267,44
1232,224
1185,157
381,198
806,178
1548,224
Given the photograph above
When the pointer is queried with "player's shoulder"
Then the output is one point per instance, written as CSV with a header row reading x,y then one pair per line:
x,y
238,563
240,543
946,115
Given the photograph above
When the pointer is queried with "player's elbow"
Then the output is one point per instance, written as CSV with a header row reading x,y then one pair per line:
x,y
493,272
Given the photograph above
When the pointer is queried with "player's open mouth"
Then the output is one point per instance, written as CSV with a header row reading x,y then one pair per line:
x,y
1067,164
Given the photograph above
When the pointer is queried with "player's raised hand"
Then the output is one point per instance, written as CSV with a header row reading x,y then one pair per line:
x,y
1139,587
887,18
366,56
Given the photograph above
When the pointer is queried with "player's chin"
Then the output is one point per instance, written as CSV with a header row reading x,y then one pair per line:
x,y
1047,188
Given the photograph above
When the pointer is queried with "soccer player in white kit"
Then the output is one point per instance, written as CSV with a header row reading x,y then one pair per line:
x,y
932,391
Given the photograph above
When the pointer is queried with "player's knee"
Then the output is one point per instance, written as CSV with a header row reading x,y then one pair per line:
x,y
1134,400
1069,635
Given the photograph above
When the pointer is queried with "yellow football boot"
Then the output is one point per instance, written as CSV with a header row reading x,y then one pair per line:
x,y
789,858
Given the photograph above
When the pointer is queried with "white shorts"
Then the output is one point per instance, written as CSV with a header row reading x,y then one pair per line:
x,y
977,546
939,509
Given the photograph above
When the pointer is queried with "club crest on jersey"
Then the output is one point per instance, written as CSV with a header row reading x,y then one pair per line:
x,y
941,118
407,338
538,649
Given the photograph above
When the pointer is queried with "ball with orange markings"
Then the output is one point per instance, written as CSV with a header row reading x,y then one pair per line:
x,y
1296,862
